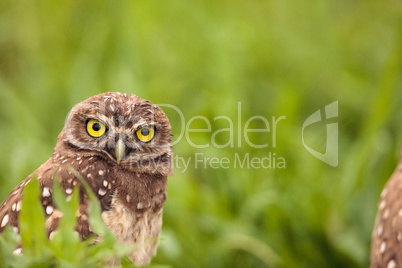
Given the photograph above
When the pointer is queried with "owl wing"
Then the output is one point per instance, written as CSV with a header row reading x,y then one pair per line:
x,y
386,247
95,174
10,208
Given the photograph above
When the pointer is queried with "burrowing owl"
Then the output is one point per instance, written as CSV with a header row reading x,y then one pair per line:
x,y
386,247
121,145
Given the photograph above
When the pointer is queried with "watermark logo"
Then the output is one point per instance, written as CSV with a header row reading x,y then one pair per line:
x,y
330,156
237,140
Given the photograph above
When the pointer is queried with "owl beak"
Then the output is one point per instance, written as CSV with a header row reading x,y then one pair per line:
x,y
120,150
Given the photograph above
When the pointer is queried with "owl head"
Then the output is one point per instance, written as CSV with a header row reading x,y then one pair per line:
x,y
122,129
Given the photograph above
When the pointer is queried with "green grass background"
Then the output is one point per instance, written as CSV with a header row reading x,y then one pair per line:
x,y
277,58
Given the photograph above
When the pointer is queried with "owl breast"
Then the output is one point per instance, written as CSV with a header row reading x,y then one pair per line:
x,y
131,202
131,228
135,214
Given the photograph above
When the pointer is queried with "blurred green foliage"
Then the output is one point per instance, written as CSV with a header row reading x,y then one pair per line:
x,y
278,58
65,249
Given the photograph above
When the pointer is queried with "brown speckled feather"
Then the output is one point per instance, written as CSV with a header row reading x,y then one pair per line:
x,y
127,172
386,247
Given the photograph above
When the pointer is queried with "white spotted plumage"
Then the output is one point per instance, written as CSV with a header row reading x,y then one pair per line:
x,y
386,247
4,221
49,210
127,175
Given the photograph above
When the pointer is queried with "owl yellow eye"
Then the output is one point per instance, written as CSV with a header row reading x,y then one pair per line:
x,y
145,134
95,128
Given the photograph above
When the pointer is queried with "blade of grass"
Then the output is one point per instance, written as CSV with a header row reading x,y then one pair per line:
x,y
32,221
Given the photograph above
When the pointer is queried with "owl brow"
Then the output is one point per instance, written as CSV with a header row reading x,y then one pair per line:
x,y
147,109
145,124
